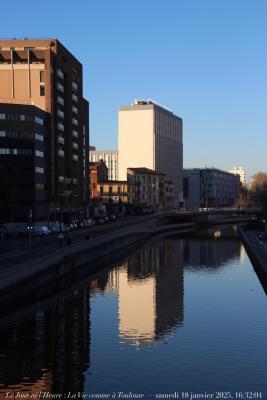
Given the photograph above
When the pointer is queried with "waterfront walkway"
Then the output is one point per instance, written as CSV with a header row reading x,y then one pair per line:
x,y
256,248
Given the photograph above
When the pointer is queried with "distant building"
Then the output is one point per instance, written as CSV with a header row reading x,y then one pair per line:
x,y
149,188
241,172
151,136
110,157
210,187
113,191
98,172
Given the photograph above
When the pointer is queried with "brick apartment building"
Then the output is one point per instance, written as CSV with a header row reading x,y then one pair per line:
x,y
42,78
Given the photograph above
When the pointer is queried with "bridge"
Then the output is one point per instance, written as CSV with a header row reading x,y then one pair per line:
x,y
213,215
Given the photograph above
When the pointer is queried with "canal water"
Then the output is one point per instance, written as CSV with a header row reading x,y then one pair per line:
x,y
178,315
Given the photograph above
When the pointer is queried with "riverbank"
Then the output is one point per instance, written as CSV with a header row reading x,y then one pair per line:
x,y
257,252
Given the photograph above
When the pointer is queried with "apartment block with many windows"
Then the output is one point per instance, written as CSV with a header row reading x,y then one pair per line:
x,y
23,166
45,74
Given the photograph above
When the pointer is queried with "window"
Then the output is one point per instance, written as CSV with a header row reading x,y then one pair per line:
x,y
110,190
60,73
38,120
60,87
39,186
74,121
60,153
42,91
39,153
2,133
2,116
74,85
74,97
39,170
22,117
60,100
39,137
4,151
119,189
60,126
42,76
101,189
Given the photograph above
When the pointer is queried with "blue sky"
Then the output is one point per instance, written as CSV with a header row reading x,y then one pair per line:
x,y
204,59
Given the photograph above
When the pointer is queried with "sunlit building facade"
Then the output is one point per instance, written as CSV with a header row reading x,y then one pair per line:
x,y
150,136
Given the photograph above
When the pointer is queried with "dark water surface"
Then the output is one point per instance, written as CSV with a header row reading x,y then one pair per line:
x,y
178,315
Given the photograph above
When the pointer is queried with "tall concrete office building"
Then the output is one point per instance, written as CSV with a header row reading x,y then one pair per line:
x,y
151,136
44,74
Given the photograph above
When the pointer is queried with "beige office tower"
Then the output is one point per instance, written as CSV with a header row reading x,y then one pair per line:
x,y
151,136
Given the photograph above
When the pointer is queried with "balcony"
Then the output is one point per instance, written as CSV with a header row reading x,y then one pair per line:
x,y
75,134
75,157
75,145
74,121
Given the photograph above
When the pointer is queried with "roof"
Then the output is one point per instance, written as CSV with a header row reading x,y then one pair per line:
x,y
144,170
95,164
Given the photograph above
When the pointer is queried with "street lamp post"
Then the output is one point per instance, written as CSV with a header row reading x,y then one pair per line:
x,y
30,228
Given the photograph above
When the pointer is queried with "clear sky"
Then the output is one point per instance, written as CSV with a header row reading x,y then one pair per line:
x,y
204,59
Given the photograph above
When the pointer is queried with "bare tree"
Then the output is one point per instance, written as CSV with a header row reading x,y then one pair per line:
x,y
258,190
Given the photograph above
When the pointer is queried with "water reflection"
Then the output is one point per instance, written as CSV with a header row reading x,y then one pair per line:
x,y
150,292
211,254
50,351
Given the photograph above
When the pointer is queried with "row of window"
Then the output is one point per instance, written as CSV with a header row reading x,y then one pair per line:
x,y
68,181
22,135
21,117
16,152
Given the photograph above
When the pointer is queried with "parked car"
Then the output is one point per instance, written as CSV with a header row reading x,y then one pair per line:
x,y
41,230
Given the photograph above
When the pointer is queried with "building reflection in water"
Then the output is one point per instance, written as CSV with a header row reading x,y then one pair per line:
x,y
50,351
150,291
210,254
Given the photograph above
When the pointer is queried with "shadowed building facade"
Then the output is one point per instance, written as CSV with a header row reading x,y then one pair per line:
x,y
44,74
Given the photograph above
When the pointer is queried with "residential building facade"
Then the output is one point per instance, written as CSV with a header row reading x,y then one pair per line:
x,y
45,74
151,136
24,188
110,157
210,187
113,191
147,187
238,170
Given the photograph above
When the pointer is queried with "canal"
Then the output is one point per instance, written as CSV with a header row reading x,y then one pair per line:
x,y
178,315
